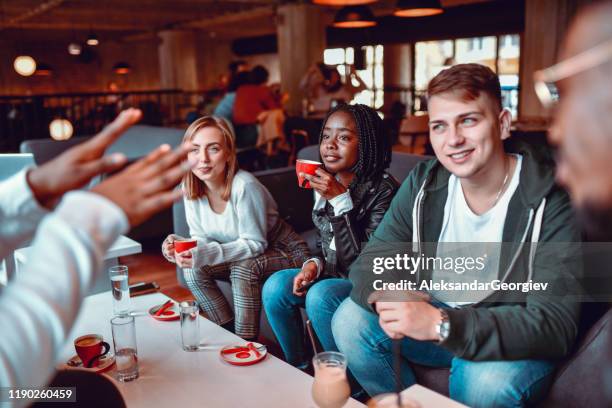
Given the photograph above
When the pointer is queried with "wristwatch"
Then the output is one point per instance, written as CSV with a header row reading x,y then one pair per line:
x,y
443,327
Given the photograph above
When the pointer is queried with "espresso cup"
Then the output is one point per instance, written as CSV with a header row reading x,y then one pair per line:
x,y
306,167
90,348
184,245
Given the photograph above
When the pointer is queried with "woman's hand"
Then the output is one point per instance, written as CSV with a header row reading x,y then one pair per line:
x,y
325,184
168,246
184,259
304,277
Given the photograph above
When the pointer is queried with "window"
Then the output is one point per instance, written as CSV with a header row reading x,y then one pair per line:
x,y
501,54
371,75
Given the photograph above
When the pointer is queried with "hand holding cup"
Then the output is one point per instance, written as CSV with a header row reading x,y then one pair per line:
x,y
325,184
303,168
184,259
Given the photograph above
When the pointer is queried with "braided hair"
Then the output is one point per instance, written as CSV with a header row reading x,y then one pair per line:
x,y
374,144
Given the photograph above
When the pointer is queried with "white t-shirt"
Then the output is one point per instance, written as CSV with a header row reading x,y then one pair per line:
x,y
240,231
461,225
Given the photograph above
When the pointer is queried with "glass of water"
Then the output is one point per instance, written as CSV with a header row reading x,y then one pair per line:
x,y
190,329
120,289
126,353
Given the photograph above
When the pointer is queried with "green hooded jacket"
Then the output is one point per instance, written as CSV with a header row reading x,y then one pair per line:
x,y
539,212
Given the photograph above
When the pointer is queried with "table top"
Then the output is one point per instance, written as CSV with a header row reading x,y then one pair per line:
x,y
123,246
170,376
428,398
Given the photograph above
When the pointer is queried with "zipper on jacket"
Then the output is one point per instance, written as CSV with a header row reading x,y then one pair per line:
x,y
419,229
514,259
348,223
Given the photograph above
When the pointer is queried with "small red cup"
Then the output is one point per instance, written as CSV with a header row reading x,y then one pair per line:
x,y
306,167
184,245
90,348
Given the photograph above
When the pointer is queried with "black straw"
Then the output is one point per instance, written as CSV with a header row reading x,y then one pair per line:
x,y
312,337
397,346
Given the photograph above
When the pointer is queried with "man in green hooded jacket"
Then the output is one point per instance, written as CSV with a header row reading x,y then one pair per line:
x,y
502,340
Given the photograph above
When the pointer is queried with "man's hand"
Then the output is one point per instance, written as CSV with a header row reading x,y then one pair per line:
x,y
414,319
184,259
305,276
147,186
325,184
75,167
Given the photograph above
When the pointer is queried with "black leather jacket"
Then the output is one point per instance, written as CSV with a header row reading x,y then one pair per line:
x,y
353,229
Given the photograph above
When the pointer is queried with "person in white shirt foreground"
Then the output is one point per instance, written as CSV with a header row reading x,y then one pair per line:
x,y
239,232
38,309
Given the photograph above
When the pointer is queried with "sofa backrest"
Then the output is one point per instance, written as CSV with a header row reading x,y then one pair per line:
x,y
135,143
139,140
581,380
47,149
294,203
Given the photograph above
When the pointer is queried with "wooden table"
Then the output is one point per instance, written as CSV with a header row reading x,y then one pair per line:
x,y
171,377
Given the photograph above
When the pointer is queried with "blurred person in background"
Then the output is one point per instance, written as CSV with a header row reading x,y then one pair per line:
x,y
225,107
324,88
252,99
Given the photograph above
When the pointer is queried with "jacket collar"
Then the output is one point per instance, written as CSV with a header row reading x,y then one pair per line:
x,y
536,180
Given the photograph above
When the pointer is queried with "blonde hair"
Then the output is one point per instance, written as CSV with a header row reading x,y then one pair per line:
x,y
195,188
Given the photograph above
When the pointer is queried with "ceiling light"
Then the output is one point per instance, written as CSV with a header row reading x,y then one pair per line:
x,y
24,65
122,68
92,40
342,2
61,129
418,8
43,69
74,49
354,17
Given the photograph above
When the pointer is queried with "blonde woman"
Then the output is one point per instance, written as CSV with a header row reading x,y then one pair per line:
x,y
239,233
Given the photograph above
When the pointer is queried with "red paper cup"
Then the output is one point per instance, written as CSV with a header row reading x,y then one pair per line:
x,y
184,245
307,167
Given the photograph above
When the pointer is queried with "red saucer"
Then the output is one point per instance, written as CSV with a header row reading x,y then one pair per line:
x,y
172,313
106,363
243,356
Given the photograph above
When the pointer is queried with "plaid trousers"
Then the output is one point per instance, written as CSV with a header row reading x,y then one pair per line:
x,y
286,249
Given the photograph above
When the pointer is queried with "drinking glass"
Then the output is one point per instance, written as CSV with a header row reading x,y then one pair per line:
x,y
126,353
330,388
190,329
120,289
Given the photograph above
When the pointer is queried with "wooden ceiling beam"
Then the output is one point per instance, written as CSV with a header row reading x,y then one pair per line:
x,y
85,26
268,11
33,12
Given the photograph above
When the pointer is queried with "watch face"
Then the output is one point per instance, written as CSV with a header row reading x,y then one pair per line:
x,y
444,330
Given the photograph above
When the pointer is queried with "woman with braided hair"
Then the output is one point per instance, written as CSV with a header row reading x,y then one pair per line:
x,y
352,193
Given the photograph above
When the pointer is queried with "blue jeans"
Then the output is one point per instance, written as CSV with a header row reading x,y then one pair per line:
x,y
474,383
283,310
